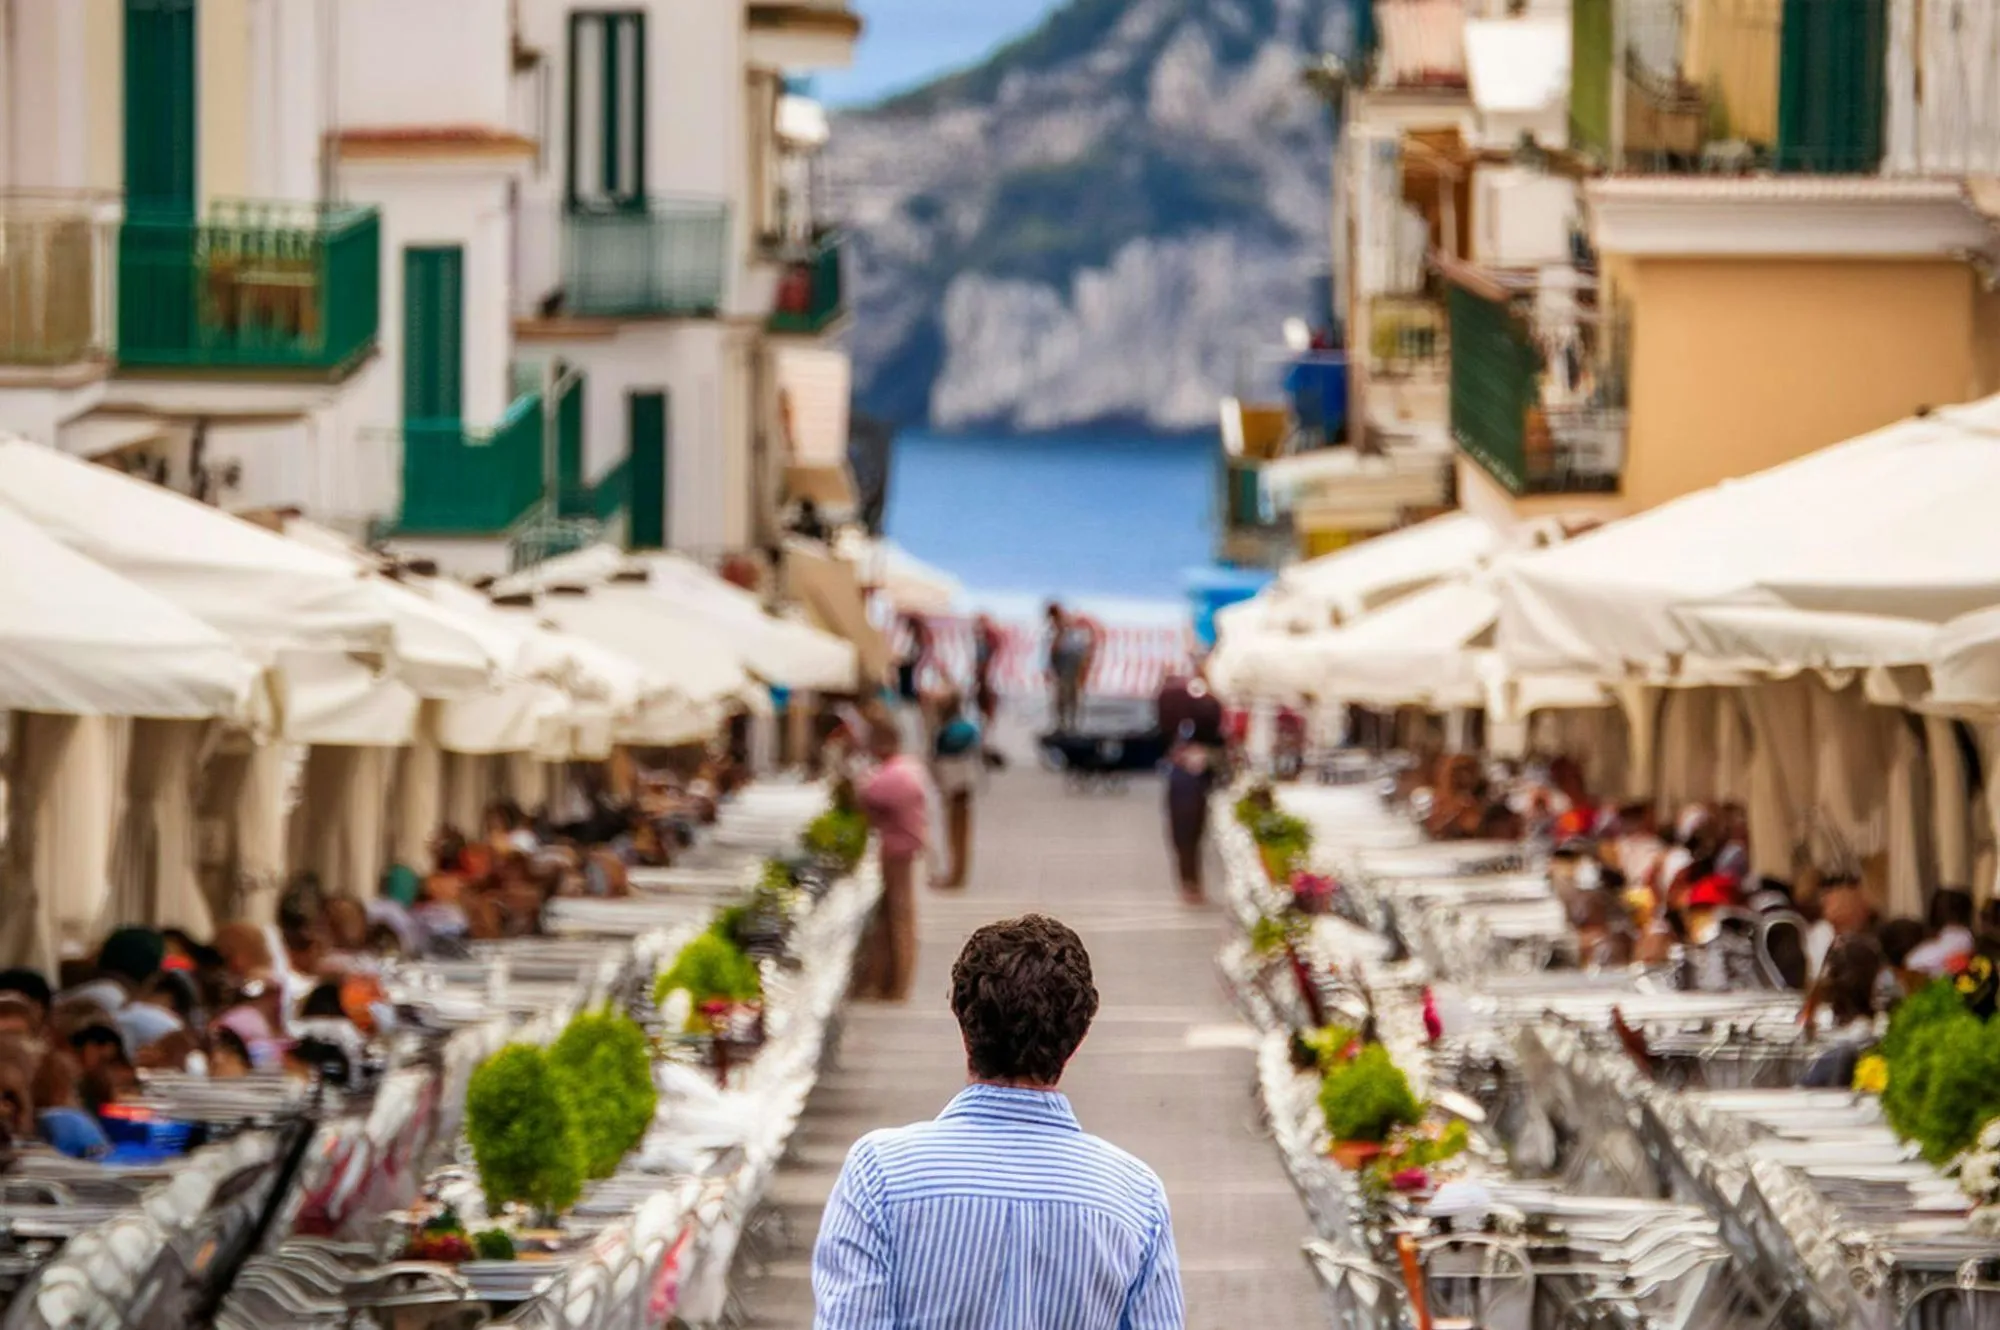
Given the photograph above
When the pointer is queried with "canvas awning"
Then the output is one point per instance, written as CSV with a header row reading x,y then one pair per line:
x,y
1337,587
77,639
827,587
266,592
1806,563
780,651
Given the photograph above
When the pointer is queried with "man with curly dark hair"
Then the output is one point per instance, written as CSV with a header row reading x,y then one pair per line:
x,y
1002,1214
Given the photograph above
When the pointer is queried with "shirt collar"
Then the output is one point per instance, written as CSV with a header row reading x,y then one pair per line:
x,y
1001,1103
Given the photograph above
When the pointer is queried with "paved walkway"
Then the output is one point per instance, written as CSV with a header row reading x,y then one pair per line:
x,y
1165,1073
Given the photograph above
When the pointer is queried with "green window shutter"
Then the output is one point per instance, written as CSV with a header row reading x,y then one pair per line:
x,y
160,120
1830,86
646,469
1590,77
573,499
606,135
1495,383
433,333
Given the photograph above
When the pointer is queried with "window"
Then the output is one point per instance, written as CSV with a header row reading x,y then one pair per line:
x,y
607,109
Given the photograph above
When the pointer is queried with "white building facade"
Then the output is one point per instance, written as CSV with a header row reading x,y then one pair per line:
x,y
474,277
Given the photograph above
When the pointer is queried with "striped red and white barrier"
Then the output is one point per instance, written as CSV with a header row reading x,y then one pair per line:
x,y
1133,660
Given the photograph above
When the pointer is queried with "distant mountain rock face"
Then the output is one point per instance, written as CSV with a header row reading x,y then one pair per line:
x,y
1093,225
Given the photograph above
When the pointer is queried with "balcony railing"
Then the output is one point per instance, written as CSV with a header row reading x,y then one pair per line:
x,y
472,482
1538,390
659,258
55,280
1408,337
810,294
255,286
1731,86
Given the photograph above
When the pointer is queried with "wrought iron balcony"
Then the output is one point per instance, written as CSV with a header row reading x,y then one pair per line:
x,y
253,287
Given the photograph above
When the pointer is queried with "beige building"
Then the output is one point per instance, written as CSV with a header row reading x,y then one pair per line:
x,y
1776,254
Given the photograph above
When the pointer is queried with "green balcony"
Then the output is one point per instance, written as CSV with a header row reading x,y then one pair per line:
x,y
811,295
659,258
1541,409
54,280
253,287
472,483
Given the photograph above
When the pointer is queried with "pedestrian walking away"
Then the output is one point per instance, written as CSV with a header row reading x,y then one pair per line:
x,y
1002,1214
896,799
986,642
955,766
1191,717
1073,643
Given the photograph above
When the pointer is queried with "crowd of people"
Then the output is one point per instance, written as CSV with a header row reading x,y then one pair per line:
x,y
1638,889
303,996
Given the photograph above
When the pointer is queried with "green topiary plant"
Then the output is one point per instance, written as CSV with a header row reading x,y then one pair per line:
x,y
1933,1003
523,1136
839,836
1926,1020
493,1245
711,968
603,1066
1960,1085
1367,1097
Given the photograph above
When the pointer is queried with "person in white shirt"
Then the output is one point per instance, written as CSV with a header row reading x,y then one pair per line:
x,y
1951,938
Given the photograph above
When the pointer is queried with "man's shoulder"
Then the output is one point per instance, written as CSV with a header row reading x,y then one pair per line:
x,y
901,1158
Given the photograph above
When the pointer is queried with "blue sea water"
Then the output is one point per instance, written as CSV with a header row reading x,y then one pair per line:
x,y
1089,517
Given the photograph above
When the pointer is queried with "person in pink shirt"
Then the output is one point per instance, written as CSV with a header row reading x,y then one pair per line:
x,y
896,799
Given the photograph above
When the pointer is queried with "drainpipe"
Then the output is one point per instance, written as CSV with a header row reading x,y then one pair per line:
x,y
557,380
329,95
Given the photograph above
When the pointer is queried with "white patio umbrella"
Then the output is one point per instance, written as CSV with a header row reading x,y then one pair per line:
x,y
77,640
266,592
780,651
1837,559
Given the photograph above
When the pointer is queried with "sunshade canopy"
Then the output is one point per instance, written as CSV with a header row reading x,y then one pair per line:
x,y
264,591
1838,558
78,639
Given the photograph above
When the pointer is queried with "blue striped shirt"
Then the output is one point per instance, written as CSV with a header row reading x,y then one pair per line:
x,y
1000,1215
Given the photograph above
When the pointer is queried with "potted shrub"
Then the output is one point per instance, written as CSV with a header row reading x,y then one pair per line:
x,y
522,1133
1282,843
1364,1099
838,838
603,1065
724,986
1411,1155
1313,893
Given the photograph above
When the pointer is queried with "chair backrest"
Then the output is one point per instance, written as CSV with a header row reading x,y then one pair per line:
x,y
1781,949
1973,1305
1487,1279
1361,1295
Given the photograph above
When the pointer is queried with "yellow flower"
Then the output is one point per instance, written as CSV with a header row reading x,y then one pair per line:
x,y
1871,1074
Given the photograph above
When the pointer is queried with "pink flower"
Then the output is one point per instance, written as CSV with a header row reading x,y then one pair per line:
x,y
1433,1023
1411,1179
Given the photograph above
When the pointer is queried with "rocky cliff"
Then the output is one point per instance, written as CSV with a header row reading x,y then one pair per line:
x,y
1092,225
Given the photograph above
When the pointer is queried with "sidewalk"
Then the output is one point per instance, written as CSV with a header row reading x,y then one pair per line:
x,y
1165,1073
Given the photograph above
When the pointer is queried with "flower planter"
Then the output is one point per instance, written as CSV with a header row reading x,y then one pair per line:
x,y
1355,1155
1277,863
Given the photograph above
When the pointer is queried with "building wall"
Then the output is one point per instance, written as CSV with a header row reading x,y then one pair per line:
x,y
102,98
1738,365
48,115
697,141
442,203
700,367
222,65
425,63
289,96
